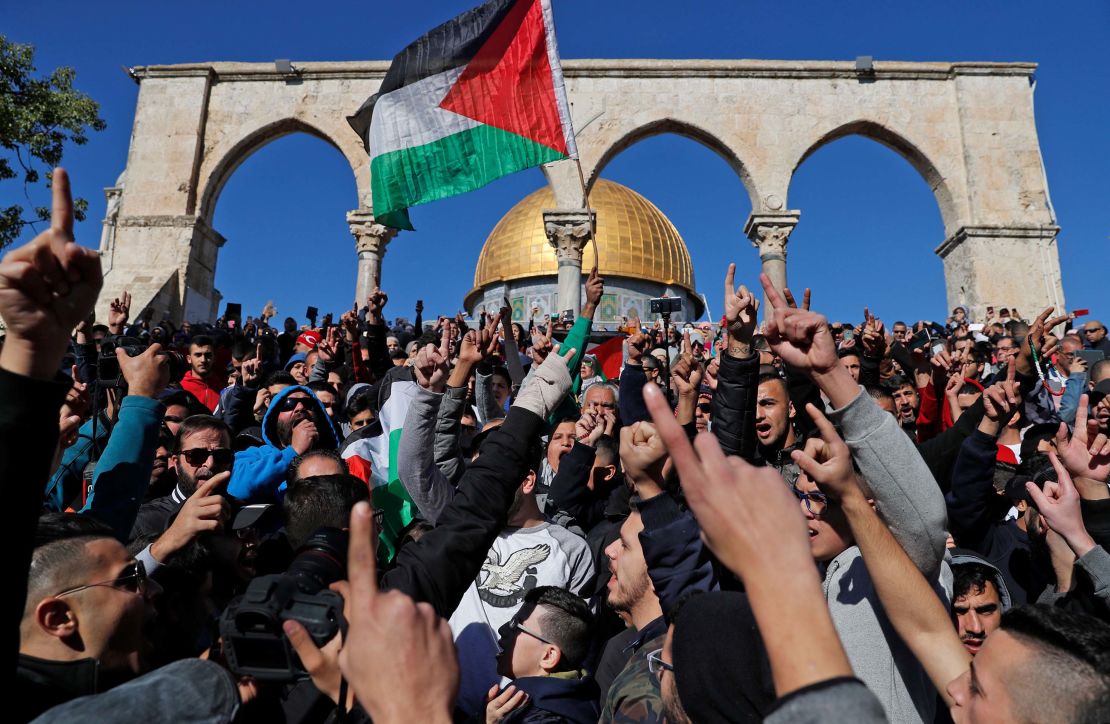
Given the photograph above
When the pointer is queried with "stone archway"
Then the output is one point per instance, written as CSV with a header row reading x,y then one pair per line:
x,y
968,128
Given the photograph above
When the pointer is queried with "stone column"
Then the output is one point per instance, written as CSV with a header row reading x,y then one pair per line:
x,y
1003,266
371,239
769,232
568,230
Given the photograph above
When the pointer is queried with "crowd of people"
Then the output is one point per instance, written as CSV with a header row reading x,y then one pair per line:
x,y
786,520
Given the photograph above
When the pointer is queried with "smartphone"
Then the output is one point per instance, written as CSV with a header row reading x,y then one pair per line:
x,y
311,313
1090,356
920,339
990,311
1081,312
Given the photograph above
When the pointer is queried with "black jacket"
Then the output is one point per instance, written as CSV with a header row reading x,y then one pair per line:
x,y
552,699
156,515
975,515
440,566
45,684
570,492
733,408
28,435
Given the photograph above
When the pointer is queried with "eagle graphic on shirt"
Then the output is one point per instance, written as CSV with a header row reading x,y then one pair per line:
x,y
504,584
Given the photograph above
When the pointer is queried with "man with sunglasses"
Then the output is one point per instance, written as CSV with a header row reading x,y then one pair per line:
x,y
1094,332
201,450
543,648
82,627
294,423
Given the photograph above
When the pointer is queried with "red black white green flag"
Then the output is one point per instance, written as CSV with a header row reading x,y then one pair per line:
x,y
478,97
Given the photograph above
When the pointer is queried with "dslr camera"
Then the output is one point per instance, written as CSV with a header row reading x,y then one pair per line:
x,y
254,643
665,305
108,373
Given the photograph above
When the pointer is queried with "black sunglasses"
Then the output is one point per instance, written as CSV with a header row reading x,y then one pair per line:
x,y
290,403
131,579
199,455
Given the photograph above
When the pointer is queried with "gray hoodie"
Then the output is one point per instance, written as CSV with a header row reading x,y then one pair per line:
x,y
959,557
907,498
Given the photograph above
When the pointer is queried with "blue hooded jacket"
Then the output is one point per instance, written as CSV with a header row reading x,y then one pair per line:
x,y
259,472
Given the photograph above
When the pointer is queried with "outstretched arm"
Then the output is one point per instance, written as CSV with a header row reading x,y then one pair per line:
x,y
910,602
751,521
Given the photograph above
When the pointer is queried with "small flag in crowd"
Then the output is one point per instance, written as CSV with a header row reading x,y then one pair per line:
x,y
477,98
372,457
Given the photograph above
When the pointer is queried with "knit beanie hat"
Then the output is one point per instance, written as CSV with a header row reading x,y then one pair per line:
x,y
720,665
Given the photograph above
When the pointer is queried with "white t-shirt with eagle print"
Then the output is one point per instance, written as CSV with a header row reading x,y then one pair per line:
x,y
520,559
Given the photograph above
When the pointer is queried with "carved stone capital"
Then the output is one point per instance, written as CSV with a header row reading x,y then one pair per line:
x,y
567,231
769,232
370,236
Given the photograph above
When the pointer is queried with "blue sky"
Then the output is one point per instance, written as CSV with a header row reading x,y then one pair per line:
x,y
869,223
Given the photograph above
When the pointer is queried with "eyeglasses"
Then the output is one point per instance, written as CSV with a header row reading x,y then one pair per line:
x,y
1092,330
199,455
705,407
657,664
606,405
815,502
290,403
132,579
518,626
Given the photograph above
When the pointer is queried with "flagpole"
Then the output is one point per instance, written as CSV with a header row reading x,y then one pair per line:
x,y
589,212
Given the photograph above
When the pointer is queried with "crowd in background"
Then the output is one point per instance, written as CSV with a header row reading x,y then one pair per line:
x,y
786,520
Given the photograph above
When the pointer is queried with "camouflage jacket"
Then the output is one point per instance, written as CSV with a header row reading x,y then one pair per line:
x,y
634,695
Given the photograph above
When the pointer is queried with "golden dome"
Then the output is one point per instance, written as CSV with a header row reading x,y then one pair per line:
x,y
634,238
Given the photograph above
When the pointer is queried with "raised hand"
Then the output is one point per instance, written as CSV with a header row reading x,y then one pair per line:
x,y
826,460
490,341
399,656
687,373
1059,505
252,369
430,367
643,455
375,303
638,345
741,314
873,338
595,287
541,345
999,402
205,511
147,374
118,313
350,324
1036,336
46,288
589,428
786,293
747,515
1085,452
74,411
801,338
328,347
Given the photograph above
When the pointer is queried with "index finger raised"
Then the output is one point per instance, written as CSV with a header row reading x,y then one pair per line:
x,y
61,213
208,487
362,568
773,297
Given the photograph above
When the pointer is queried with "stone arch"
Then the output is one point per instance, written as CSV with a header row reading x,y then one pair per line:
x,y
224,166
900,144
680,128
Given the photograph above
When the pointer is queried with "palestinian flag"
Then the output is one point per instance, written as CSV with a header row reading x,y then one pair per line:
x,y
371,455
477,98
